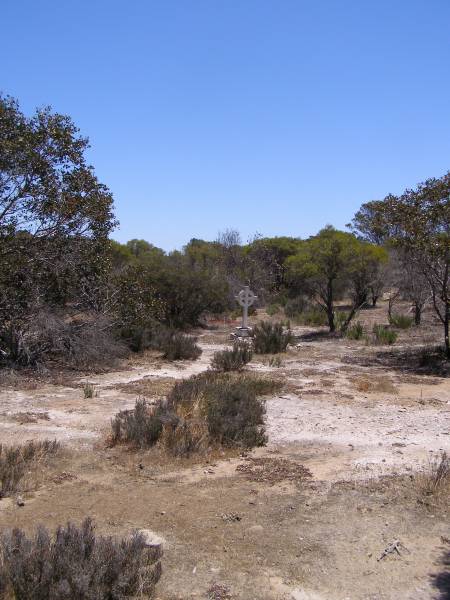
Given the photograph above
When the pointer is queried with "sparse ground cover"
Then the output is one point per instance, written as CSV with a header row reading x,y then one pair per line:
x,y
351,467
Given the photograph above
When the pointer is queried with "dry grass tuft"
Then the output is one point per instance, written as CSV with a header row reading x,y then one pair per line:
x,y
148,387
383,386
17,461
433,482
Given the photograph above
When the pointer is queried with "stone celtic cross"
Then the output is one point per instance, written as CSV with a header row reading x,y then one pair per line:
x,y
245,298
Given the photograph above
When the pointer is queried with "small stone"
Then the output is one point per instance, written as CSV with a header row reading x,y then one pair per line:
x,y
20,501
152,539
256,529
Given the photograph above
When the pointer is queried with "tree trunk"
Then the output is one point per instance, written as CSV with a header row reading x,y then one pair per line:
x,y
417,314
446,330
330,306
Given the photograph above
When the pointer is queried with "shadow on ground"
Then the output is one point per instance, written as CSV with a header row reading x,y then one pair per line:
x,y
441,581
422,360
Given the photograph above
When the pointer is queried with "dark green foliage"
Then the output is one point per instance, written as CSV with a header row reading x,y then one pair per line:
x,y
270,338
15,461
140,426
55,218
401,321
355,332
232,360
75,563
384,335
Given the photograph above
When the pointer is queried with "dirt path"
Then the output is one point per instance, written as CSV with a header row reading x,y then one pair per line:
x,y
342,414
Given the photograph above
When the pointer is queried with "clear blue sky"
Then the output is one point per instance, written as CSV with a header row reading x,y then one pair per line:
x,y
272,116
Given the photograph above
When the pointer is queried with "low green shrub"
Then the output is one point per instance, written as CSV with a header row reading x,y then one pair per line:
x,y
313,317
232,360
272,309
88,390
76,563
384,335
355,331
176,345
270,338
340,318
401,321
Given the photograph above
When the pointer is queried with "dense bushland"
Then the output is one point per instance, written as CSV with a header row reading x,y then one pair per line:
x,y
71,296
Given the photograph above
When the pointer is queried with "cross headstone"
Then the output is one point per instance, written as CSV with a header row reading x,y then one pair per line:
x,y
245,298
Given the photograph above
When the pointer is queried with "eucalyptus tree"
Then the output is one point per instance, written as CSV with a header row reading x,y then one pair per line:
x,y
417,222
55,217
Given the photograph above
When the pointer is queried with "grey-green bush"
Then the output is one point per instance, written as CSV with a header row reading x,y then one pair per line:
x,y
140,426
270,338
234,359
176,345
295,306
235,415
75,563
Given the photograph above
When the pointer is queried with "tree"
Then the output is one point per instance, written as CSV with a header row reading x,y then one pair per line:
x,y
55,217
334,261
320,264
418,222
365,267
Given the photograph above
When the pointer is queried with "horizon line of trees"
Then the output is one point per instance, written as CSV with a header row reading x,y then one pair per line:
x,y
69,292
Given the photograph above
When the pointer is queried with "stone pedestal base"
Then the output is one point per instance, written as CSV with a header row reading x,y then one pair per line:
x,y
242,332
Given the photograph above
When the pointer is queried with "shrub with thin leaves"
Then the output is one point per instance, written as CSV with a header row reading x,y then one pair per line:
x,y
315,317
384,335
235,415
88,390
140,426
76,563
234,359
355,332
176,345
296,306
16,461
272,309
270,338
401,321
206,409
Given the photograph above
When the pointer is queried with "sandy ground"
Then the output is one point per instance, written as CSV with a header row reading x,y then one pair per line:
x,y
358,420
